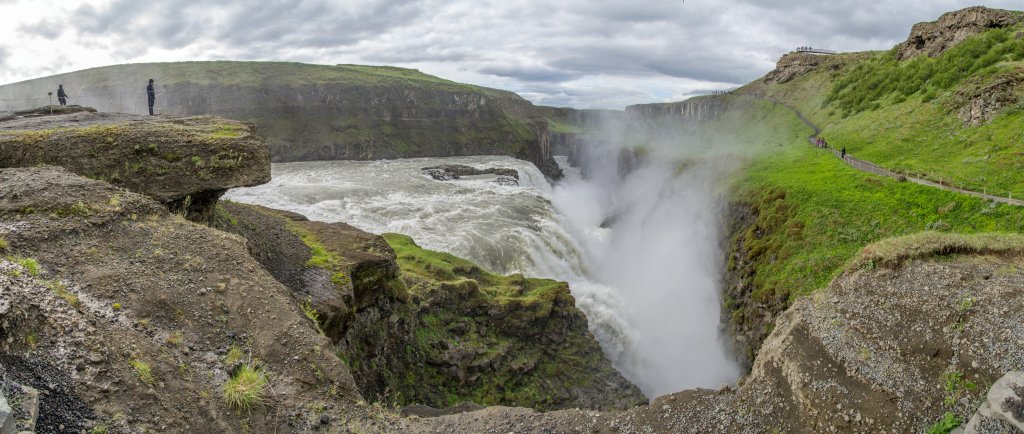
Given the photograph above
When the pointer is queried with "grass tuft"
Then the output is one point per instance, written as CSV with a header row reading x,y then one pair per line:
x,y
235,355
30,264
947,424
894,251
143,371
312,315
244,391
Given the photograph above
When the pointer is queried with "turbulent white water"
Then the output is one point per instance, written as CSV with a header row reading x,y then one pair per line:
x,y
647,281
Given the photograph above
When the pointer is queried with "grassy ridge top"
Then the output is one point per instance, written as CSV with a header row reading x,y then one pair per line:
x,y
245,74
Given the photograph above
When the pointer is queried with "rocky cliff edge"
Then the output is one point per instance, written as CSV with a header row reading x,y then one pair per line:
x,y
185,163
916,328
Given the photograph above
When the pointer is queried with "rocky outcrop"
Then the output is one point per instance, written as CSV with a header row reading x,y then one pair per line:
x,y
934,38
793,65
128,318
894,343
446,331
693,109
981,99
185,163
320,112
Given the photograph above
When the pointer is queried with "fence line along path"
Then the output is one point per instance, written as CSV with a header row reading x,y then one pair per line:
x,y
867,166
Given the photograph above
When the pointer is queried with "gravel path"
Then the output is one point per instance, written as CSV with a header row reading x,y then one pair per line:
x,y
867,166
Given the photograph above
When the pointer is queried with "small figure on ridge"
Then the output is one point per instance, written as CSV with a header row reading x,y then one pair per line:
x,y
152,96
61,96
842,154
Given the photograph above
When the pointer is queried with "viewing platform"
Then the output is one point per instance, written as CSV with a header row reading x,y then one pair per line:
x,y
812,50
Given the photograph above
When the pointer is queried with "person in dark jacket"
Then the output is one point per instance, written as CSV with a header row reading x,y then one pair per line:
x,y
152,96
842,154
61,96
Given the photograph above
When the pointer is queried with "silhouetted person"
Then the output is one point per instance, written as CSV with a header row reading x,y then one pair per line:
x,y
842,154
152,96
61,96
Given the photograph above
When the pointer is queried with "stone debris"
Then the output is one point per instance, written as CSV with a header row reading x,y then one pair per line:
x,y
6,416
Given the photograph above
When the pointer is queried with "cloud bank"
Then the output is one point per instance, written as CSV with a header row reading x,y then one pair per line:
x,y
585,54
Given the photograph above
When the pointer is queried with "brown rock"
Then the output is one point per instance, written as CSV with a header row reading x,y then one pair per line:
x,y
935,37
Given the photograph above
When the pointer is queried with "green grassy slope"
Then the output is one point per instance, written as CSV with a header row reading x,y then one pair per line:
x,y
904,115
816,212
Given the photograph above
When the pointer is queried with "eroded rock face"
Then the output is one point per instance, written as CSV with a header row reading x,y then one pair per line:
x,y
881,349
137,308
979,100
935,37
185,163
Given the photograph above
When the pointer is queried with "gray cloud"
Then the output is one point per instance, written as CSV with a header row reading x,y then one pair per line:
x,y
553,52
48,29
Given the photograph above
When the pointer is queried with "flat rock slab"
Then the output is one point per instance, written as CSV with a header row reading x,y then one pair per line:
x,y
185,160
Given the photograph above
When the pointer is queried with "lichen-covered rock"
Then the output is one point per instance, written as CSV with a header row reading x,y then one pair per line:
x,y
185,163
935,37
446,331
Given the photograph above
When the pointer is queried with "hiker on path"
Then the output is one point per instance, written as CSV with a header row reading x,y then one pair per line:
x,y
152,96
842,154
61,96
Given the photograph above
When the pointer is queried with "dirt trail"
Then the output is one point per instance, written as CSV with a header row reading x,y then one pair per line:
x,y
867,166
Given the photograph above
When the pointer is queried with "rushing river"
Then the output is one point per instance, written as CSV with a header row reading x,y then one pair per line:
x,y
641,255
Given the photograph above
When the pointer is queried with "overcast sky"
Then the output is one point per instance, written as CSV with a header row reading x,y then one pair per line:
x,y
585,54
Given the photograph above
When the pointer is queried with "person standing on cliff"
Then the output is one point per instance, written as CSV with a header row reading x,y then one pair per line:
x,y
152,96
62,97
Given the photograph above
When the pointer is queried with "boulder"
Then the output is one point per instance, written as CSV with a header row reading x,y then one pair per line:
x,y
1004,405
184,163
